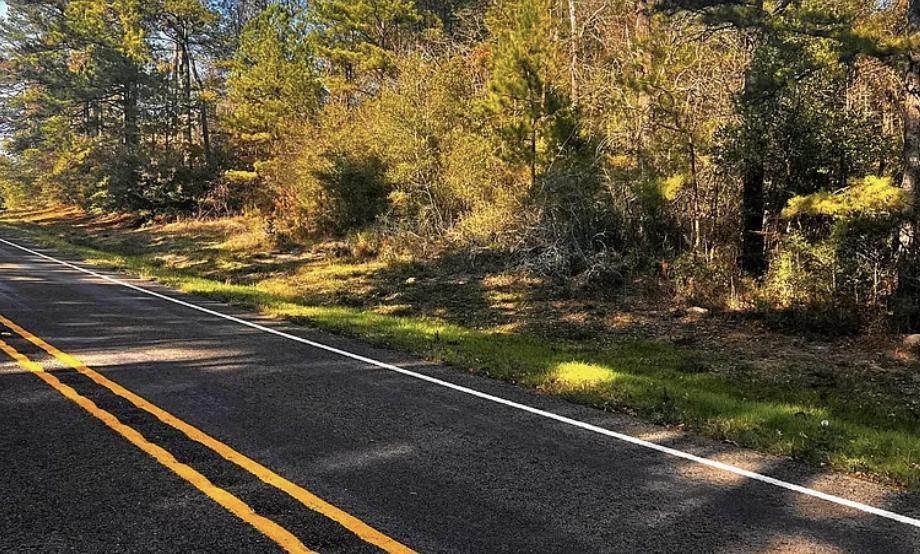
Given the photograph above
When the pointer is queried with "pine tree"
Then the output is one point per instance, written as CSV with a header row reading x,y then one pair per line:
x,y
525,99
189,26
779,37
908,294
75,72
273,81
273,86
359,39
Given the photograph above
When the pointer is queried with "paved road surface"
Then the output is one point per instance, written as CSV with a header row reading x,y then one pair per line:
x,y
187,432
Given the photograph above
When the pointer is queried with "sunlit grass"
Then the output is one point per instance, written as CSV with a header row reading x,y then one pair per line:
x,y
643,377
248,241
576,375
344,269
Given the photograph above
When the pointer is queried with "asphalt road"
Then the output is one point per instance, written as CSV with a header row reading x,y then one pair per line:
x,y
392,462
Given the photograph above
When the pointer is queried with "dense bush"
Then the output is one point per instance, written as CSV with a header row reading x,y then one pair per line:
x,y
724,150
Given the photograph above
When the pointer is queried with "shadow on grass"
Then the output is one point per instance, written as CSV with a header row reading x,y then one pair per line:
x,y
642,377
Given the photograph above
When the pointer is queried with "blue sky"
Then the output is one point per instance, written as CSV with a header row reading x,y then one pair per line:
x,y
2,8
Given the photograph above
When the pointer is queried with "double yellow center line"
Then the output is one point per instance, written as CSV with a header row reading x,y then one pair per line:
x,y
269,528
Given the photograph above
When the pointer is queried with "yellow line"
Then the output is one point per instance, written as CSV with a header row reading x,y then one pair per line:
x,y
308,499
236,506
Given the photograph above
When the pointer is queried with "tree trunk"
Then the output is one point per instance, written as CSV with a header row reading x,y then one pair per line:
x,y
533,156
573,28
643,100
203,118
753,259
908,293
129,109
186,92
205,135
131,135
173,130
697,239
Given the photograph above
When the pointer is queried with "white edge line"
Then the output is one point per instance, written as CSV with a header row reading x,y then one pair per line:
x,y
498,400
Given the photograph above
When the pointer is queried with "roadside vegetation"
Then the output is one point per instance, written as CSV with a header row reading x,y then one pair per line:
x,y
847,404
704,212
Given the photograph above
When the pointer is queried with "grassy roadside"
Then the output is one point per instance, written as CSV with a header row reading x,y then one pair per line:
x,y
658,381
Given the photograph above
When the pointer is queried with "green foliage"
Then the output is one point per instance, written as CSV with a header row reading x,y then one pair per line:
x,y
14,193
714,282
803,274
273,82
88,80
355,187
328,182
359,39
849,263
529,110
870,196
586,146
444,173
273,90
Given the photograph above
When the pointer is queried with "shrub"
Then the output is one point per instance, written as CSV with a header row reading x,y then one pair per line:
x,y
713,281
14,193
843,258
802,274
326,182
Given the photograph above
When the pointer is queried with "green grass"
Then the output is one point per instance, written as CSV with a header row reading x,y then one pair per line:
x,y
657,381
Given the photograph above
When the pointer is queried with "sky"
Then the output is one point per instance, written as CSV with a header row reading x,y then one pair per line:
x,y
2,8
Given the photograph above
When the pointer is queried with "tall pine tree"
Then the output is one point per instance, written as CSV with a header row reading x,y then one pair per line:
x,y
358,40
526,98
